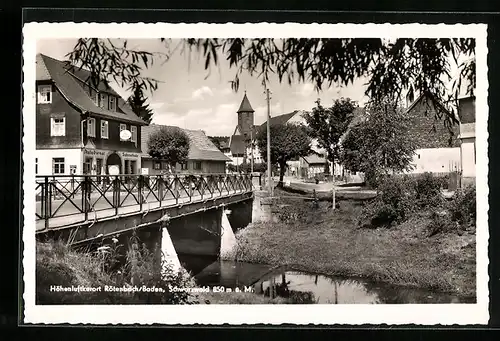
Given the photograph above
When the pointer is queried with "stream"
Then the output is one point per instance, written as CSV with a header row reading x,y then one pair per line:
x,y
306,288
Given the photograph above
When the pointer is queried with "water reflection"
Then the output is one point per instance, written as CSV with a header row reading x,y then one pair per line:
x,y
305,288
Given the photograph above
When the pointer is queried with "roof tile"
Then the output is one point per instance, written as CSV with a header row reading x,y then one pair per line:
x,y
200,146
71,88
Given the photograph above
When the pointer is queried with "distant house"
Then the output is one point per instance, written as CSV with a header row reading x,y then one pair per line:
x,y
311,165
467,114
204,156
437,151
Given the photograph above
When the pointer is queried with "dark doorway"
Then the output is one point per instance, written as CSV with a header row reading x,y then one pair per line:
x,y
114,159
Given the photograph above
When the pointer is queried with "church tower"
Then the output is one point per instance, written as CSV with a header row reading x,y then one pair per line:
x,y
246,118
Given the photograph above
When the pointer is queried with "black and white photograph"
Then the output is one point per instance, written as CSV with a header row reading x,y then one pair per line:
x,y
281,173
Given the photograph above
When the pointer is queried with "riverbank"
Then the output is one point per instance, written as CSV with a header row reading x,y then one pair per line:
x,y
59,265
330,242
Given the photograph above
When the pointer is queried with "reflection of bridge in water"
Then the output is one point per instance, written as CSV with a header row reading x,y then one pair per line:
x,y
85,207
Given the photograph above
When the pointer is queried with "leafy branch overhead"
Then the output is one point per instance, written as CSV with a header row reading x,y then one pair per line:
x,y
395,69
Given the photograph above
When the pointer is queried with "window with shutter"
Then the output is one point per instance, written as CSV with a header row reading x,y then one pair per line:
x,y
104,129
44,94
57,126
91,127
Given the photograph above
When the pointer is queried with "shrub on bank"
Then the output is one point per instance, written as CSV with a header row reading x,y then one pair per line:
x,y
401,195
58,265
458,215
393,203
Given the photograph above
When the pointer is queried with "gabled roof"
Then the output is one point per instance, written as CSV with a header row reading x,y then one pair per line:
x,y
200,146
280,119
436,101
245,105
314,159
237,144
71,87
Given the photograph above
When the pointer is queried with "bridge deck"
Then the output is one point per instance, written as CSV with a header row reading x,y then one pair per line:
x,y
69,208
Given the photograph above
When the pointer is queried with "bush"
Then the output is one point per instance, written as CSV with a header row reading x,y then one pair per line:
x,y
428,190
459,214
57,264
393,204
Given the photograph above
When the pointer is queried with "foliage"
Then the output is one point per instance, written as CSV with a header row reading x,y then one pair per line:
x,y
328,125
458,215
170,144
393,204
145,268
380,144
463,206
428,190
393,67
58,264
246,167
139,106
288,141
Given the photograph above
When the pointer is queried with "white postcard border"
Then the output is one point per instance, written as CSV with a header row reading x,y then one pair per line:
x,y
426,314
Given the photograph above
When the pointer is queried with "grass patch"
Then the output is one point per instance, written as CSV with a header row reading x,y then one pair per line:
x,y
329,242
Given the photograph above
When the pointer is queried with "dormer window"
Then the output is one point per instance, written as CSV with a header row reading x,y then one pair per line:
x,y
102,101
44,94
112,103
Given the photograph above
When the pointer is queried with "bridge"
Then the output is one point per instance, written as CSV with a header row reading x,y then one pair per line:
x,y
81,208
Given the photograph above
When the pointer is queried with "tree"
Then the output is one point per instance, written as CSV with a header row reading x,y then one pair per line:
x,y
288,141
394,68
328,125
170,144
379,144
139,106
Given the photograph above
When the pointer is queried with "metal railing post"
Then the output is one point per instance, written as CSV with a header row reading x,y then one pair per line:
x,y
159,181
116,193
139,190
45,201
86,196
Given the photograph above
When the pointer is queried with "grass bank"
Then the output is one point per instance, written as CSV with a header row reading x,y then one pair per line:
x,y
59,265
331,243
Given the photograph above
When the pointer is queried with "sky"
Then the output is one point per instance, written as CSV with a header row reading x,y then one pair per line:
x,y
191,98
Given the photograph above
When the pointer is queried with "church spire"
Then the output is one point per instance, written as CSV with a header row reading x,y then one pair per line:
x,y
245,105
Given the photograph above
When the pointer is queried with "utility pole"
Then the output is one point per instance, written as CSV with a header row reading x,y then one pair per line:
x,y
251,150
268,99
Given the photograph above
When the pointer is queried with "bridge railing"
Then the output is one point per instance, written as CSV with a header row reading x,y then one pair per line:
x,y
64,195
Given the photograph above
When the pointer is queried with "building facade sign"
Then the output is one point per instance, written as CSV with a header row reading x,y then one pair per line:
x,y
135,155
94,152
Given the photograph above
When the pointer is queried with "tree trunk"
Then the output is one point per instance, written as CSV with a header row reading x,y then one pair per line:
x,y
282,173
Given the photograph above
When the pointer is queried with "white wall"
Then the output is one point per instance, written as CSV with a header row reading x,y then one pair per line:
x,y
468,161
71,157
436,160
